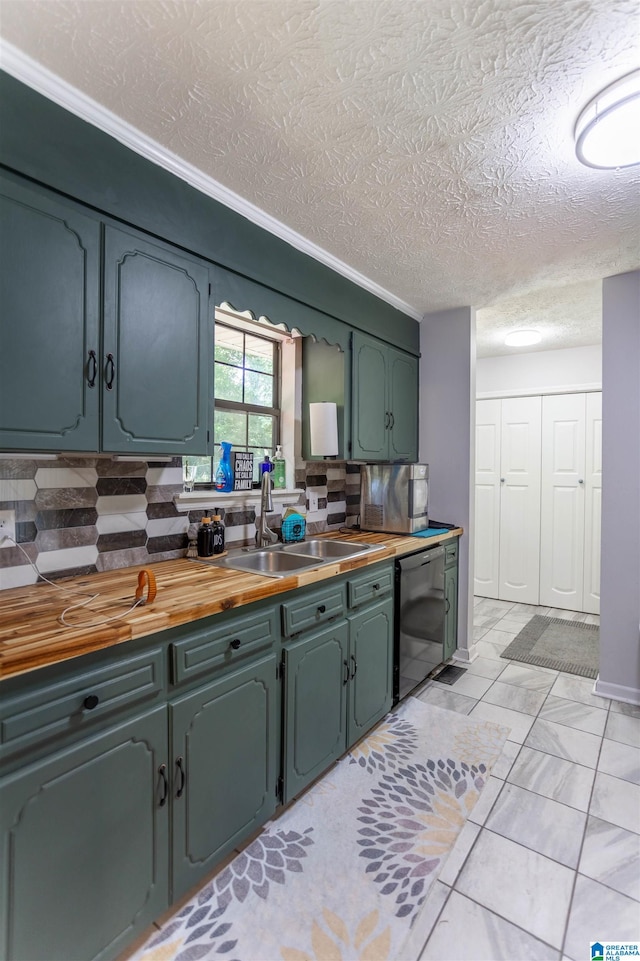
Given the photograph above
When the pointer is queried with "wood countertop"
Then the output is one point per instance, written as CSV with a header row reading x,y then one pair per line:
x,y
31,635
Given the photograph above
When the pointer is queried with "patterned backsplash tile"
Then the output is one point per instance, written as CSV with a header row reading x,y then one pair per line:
x,y
78,515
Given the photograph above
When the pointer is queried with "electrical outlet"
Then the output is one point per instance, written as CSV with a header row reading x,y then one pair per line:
x,y
7,528
312,501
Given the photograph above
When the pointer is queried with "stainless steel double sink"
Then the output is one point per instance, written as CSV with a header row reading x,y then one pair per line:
x,y
281,560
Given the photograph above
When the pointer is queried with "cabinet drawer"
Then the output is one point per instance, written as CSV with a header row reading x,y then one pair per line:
x,y
450,553
211,649
77,702
312,610
370,586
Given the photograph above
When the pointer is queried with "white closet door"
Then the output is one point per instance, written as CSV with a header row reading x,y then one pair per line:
x,y
563,502
520,500
487,524
593,501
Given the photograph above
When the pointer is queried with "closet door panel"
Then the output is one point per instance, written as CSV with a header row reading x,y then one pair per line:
x,y
563,502
487,540
520,500
593,500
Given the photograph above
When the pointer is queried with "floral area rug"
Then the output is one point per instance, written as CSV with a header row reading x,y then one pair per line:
x,y
343,872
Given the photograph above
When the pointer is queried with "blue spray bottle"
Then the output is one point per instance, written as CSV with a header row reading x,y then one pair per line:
x,y
224,471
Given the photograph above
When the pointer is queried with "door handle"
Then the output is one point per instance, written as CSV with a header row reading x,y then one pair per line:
x,y
355,668
92,369
345,679
183,776
162,771
109,372
393,420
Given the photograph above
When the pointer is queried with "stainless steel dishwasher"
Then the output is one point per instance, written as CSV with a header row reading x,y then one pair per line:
x,y
420,610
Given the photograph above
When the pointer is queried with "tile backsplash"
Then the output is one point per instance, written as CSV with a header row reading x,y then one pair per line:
x,y
78,515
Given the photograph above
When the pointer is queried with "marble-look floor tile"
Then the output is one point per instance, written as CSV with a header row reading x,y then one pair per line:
x,y
616,801
487,667
522,886
442,696
482,808
593,909
468,932
515,698
499,638
630,710
621,727
519,723
491,651
553,777
574,714
539,823
459,852
425,921
492,604
505,762
565,615
513,625
620,760
472,685
611,855
484,621
479,632
533,679
564,742
578,689
530,609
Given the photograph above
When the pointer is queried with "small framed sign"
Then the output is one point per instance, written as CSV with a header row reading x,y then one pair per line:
x,y
242,470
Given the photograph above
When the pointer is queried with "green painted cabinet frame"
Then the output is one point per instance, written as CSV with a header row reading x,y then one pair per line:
x,y
384,424
85,841
128,373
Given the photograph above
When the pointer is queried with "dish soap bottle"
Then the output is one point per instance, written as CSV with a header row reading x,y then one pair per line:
x,y
224,471
279,470
205,538
218,534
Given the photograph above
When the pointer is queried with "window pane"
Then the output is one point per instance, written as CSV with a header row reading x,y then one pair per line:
x,y
228,345
259,354
228,382
258,389
261,432
230,426
198,467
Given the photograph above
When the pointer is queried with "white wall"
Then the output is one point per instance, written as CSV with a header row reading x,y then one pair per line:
x,y
447,438
577,368
620,579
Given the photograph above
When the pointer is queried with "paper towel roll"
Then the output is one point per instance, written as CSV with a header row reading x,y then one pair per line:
x,y
323,426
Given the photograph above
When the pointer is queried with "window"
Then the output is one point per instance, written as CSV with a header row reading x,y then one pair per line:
x,y
247,399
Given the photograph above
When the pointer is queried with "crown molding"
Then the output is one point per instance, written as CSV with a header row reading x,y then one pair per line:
x,y
17,63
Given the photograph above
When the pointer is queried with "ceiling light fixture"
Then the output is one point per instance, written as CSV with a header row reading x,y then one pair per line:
x,y
607,131
523,338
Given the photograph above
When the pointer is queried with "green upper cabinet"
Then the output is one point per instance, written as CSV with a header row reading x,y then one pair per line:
x,y
49,327
130,372
158,348
384,401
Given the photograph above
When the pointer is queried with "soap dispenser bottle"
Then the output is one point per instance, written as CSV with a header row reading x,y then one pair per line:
x,y
224,471
205,538
279,470
218,534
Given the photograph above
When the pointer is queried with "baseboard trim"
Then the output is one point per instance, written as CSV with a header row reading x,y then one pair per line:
x,y
466,654
617,692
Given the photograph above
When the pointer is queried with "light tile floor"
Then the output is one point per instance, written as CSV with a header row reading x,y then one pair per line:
x,y
550,857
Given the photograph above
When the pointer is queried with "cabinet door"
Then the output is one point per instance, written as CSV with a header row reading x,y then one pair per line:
x,y
49,343
370,410
520,500
403,405
562,527
316,678
370,668
224,750
593,503
487,537
451,612
158,348
85,845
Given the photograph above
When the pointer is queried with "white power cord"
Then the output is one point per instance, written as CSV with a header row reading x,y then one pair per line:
x,y
72,607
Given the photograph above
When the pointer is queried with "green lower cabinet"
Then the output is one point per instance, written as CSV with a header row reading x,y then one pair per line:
x,y
224,778
370,691
451,614
316,677
85,835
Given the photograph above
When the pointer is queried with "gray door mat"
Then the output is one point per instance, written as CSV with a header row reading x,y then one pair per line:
x,y
558,643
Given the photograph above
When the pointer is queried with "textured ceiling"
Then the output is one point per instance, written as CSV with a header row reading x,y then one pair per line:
x,y
427,145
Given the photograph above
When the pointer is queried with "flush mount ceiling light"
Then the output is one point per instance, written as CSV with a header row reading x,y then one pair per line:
x,y
523,338
607,131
